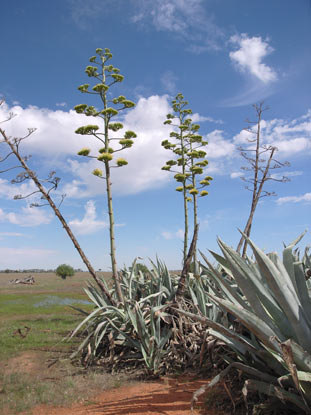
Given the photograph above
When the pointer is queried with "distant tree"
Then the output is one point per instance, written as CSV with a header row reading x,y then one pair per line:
x,y
64,271
190,163
105,76
261,162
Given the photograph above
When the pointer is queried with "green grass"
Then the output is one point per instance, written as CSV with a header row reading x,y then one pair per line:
x,y
44,325
45,332
38,312
32,304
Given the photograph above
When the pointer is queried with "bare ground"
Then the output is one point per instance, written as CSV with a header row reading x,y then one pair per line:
x,y
167,396
110,394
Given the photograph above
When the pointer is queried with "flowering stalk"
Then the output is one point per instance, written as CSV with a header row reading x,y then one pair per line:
x,y
106,75
191,160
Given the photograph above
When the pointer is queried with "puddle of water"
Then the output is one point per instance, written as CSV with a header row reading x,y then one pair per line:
x,y
55,300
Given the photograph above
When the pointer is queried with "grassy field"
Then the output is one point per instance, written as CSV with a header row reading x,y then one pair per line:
x,y
34,319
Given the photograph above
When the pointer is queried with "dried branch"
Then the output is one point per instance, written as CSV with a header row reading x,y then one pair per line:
x,y
10,168
7,156
260,168
29,174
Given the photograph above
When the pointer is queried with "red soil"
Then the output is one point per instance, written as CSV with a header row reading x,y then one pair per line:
x,y
169,396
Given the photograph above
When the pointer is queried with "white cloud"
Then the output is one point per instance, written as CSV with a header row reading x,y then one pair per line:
x,y
61,104
236,174
8,190
249,56
218,146
294,199
252,91
279,176
187,19
55,130
296,145
26,217
55,140
173,235
242,137
55,144
89,224
201,118
145,158
290,137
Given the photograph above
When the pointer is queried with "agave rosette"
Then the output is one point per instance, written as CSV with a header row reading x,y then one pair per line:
x,y
138,325
271,300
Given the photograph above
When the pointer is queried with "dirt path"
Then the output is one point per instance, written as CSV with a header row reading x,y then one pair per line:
x,y
169,396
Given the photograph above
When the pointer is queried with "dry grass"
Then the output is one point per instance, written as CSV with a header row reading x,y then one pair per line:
x,y
27,381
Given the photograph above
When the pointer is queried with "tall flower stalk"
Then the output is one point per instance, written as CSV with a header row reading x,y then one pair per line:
x,y
190,162
106,75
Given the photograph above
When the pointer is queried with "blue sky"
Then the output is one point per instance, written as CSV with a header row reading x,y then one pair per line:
x,y
222,55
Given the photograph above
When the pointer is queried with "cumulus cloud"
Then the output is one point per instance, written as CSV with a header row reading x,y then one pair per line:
x,y
55,130
290,137
145,158
89,224
55,144
187,19
218,146
26,217
8,190
55,141
296,145
249,56
294,199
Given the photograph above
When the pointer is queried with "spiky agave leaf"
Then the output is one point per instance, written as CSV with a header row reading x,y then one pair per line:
x,y
279,298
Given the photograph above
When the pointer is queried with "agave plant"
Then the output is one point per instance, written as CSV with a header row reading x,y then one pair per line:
x,y
144,328
270,298
138,326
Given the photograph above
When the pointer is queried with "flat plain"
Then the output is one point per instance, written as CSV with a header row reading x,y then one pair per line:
x,y
34,357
